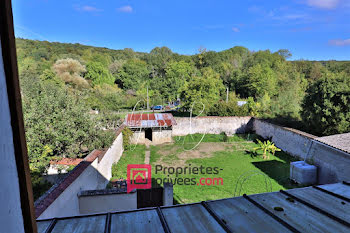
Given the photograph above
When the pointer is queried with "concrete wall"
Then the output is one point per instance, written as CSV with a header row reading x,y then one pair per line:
x,y
158,136
138,137
296,144
211,125
89,204
112,156
11,219
95,176
333,165
161,136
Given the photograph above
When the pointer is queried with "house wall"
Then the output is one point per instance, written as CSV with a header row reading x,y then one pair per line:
x,y
95,176
107,203
211,125
67,203
333,164
11,213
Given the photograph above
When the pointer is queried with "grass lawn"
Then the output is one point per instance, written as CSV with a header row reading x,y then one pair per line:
x,y
135,155
240,171
230,155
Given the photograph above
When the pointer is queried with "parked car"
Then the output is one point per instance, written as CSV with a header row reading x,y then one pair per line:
x,y
157,107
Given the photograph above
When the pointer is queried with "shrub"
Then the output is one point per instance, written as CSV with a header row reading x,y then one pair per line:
x,y
127,133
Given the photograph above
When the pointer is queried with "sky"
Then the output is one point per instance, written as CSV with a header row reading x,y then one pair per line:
x,y
310,29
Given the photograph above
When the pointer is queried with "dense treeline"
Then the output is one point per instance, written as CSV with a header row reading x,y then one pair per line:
x,y
62,82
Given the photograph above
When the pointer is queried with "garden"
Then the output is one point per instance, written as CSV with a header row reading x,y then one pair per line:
x,y
240,164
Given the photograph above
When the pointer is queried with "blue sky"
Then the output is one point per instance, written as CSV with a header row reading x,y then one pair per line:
x,y
310,29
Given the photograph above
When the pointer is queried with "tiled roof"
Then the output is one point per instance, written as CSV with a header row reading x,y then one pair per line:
x,y
150,120
67,161
339,141
323,208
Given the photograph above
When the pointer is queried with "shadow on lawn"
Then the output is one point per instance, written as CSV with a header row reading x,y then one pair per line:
x,y
277,170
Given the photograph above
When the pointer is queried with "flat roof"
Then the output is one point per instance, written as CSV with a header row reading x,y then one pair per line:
x,y
323,208
149,120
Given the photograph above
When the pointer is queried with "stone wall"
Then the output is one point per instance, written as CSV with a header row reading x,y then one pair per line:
x,y
138,137
333,165
211,125
158,136
161,136
292,141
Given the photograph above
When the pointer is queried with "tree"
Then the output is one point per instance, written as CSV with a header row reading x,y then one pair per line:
x,y
116,66
260,79
177,73
57,124
285,53
69,70
158,59
326,106
132,74
98,74
202,89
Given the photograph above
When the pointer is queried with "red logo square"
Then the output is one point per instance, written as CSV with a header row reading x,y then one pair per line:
x,y
139,176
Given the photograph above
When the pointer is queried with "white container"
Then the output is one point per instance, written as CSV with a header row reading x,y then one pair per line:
x,y
303,173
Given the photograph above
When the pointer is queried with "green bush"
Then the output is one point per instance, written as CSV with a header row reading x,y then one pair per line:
x,y
127,133
326,106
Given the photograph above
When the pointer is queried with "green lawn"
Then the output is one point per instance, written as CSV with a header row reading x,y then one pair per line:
x,y
233,157
230,154
135,155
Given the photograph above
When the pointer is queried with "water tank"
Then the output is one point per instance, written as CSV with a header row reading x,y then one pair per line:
x,y
303,173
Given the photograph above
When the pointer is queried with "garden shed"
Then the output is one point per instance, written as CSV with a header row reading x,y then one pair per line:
x,y
155,127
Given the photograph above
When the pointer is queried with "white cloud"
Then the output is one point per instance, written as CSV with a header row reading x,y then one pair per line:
x,y
90,8
87,9
340,42
125,9
235,29
324,4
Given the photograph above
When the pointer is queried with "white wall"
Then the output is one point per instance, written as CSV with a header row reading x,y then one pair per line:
x,y
91,204
67,203
11,219
289,141
161,135
112,155
138,137
95,176
333,165
211,125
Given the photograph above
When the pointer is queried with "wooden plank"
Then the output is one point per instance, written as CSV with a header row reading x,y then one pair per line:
x,y
328,203
191,218
134,222
242,216
94,224
338,188
301,217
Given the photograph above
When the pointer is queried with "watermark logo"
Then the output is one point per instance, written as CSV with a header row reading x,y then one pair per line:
x,y
139,176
